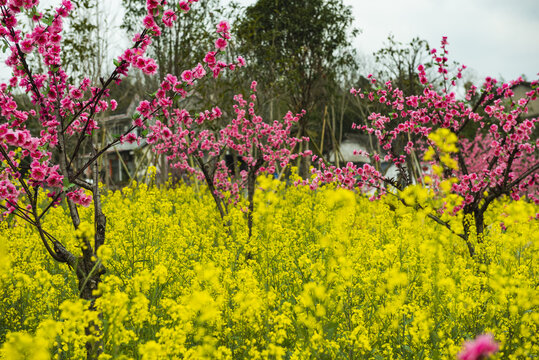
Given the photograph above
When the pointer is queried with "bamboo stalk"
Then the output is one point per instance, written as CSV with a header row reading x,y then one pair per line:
x,y
323,129
124,165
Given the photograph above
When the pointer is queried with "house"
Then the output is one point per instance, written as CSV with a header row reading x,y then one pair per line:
x,y
356,148
125,162
533,106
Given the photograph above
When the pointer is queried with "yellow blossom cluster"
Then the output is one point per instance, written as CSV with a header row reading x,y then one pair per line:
x,y
325,275
445,141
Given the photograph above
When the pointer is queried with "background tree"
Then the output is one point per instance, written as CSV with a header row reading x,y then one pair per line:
x,y
86,41
398,62
298,50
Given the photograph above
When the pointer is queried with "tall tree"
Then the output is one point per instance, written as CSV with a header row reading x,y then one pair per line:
x,y
297,49
86,41
398,62
33,164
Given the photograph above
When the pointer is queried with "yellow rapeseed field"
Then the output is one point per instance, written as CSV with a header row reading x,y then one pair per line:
x,y
326,275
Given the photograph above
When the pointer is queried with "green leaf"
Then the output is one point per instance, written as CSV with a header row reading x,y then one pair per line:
x,y
48,20
116,62
5,47
144,133
67,184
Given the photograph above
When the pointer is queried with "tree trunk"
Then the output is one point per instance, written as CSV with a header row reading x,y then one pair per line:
x,y
468,228
89,276
479,224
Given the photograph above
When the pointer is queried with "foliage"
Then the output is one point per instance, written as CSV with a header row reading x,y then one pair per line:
x,y
332,275
83,45
398,63
305,41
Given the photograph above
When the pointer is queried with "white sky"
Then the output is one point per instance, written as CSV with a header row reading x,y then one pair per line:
x,y
499,38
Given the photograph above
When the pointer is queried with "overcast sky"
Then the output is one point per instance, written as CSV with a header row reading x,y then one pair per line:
x,y
494,37
499,38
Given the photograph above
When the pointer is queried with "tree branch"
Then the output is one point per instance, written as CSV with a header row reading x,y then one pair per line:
x,y
524,175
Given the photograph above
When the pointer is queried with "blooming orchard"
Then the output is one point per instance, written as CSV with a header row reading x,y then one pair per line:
x,y
347,279
461,174
66,114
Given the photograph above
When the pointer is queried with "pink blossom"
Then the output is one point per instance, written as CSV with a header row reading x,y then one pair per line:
x,y
171,79
138,122
479,348
187,76
169,16
79,197
184,5
199,72
220,44
148,22
10,21
55,180
75,93
144,108
210,58
131,137
223,27
241,61
67,5
150,68
27,46
39,171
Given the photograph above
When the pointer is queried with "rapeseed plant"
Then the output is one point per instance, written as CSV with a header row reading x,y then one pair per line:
x,y
331,275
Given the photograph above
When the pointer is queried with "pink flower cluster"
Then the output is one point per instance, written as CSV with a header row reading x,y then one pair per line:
x,y
492,161
500,159
265,147
479,349
349,176
67,110
483,148
45,38
173,87
79,197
